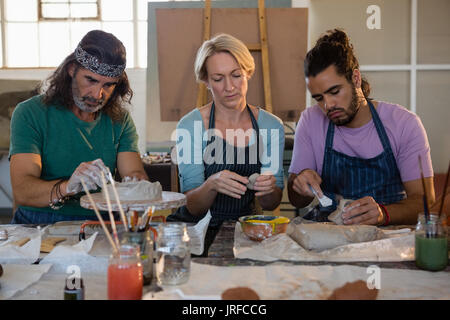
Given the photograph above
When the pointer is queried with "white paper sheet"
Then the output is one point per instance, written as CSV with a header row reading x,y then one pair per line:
x,y
275,282
197,234
64,256
17,277
399,247
27,253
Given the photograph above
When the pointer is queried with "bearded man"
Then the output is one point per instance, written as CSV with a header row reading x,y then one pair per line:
x,y
353,147
77,129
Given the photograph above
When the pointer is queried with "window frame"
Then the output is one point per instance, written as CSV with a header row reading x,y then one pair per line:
x,y
140,60
42,18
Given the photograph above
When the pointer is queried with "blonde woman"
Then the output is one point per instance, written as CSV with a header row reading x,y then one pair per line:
x,y
232,139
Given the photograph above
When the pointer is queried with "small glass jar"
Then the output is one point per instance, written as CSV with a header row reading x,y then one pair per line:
x,y
431,251
145,243
125,278
173,254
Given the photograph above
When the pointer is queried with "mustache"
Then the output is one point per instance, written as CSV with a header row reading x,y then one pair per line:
x,y
334,110
92,100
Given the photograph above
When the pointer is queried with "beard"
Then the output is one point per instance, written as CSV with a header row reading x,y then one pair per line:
x,y
94,104
350,113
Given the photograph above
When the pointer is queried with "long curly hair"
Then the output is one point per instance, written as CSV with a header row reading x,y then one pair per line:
x,y
334,47
57,88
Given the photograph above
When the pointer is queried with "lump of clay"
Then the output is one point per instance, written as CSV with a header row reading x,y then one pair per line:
x,y
357,290
322,236
336,215
252,180
136,190
240,293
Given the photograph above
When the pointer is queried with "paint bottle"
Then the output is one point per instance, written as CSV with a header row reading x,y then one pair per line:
x,y
125,274
431,251
74,289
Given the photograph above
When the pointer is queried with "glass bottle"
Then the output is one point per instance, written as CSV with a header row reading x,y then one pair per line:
x,y
173,254
74,289
431,251
125,276
145,243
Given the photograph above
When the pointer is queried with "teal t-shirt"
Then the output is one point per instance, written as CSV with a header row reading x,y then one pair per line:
x,y
64,141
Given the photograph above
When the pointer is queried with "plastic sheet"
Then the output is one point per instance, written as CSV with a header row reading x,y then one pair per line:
x,y
398,246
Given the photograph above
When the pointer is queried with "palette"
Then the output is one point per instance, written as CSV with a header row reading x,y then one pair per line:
x,y
170,200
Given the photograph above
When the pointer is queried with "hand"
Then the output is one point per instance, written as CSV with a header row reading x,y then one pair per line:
x,y
90,172
265,184
363,211
305,179
229,183
130,179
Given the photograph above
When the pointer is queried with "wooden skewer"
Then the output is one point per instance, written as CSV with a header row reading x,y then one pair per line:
x,y
122,214
99,217
111,216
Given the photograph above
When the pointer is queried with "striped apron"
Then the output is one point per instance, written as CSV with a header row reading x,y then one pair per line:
x,y
355,178
224,206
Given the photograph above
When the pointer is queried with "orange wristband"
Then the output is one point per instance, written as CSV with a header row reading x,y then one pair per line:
x,y
388,218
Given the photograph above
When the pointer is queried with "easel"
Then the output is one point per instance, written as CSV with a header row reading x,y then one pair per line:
x,y
261,46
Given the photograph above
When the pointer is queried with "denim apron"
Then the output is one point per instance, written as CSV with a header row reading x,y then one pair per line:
x,y
355,178
225,207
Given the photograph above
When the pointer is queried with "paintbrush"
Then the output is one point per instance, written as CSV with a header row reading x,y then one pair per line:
x,y
122,214
111,216
149,213
134,217
425,198
99,217
444,192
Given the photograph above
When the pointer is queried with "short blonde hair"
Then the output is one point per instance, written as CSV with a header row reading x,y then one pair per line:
x,y
223,43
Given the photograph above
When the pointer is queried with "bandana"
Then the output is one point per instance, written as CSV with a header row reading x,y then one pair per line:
x,y
92,63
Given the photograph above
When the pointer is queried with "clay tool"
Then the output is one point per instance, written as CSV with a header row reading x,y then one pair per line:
x,y
324,200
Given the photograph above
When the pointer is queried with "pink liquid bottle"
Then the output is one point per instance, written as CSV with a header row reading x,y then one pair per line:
x,y
125,274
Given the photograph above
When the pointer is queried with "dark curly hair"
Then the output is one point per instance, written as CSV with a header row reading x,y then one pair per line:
x,y
108,49
334,48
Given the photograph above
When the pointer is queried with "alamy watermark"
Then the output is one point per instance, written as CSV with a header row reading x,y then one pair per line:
x,y
189,146
374,20
73,281
374,279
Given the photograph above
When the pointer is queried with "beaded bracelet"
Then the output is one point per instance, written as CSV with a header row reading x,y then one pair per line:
x,y
59,202
386,214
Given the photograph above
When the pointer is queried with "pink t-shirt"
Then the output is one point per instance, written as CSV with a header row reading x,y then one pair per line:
x,y
406,133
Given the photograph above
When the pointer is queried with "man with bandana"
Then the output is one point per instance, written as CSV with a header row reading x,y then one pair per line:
x,y
76,130
353,147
